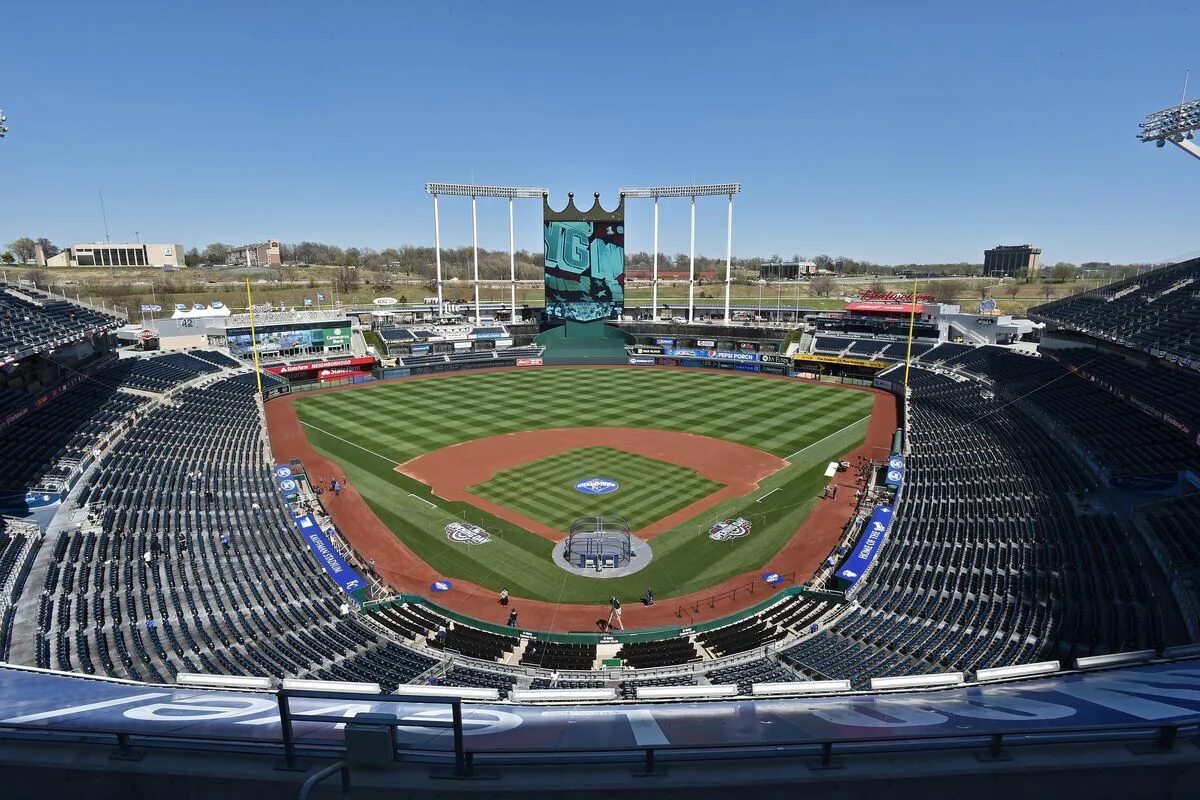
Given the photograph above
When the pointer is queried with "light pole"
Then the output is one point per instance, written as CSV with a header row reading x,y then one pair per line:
x,y
474,192
654,269
690,192
475,252
1177,125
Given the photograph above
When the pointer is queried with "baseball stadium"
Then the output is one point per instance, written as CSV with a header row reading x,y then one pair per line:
x,y
605,542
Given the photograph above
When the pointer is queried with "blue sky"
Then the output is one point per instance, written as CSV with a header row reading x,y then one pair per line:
x,y
891,131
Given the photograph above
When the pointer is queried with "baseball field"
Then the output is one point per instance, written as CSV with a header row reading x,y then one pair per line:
x,y
505,450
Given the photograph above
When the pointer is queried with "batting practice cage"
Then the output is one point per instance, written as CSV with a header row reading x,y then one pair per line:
x,y
598,543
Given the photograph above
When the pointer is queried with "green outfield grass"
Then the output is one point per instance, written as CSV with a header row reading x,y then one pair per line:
x,y
369,430
544,490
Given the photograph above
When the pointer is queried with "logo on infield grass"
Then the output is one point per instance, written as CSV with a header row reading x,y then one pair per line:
x,y
467,534
728,529
597,486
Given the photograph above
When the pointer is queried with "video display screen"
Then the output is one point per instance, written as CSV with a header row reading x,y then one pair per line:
x,y
585,269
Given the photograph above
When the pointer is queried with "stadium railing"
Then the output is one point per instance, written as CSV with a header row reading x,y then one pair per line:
x,y
732,594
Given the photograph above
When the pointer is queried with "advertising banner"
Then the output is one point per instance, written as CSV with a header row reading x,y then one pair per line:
x,y
665,342
360,362
895,470
649,362
850,362
716,355
529,362
285,341
869,542
330,559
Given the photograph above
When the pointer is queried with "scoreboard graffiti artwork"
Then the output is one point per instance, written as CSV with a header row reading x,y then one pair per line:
x,y
585,261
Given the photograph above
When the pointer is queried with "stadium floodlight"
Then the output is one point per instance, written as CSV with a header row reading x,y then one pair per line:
x,y
475,191
692,192
472,190
1177,125
703,190
3,127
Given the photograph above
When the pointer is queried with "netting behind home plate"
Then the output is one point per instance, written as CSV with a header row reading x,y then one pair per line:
x,y
598,543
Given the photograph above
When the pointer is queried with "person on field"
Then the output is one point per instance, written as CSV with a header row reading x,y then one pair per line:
x,y
512,618
504,596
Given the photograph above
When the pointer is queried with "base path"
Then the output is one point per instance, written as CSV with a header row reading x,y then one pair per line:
x,y
451,470
405,571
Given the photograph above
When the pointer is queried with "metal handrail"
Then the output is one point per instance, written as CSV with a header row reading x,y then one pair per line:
x,y
311,782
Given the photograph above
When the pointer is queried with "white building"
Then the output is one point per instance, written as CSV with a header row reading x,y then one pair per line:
x,y
116,254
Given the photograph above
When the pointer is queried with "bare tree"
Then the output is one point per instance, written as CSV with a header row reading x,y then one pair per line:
x,y
946,291
1049,292
823,285
346,279
23,248
1012,289
49,248
39,277
877,285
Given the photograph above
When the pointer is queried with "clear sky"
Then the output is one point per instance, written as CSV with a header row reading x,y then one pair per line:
x,y
894,131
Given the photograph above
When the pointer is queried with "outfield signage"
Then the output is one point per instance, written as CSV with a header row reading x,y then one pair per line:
x,y
718,355
850,362
645,362
529,362
288,369
646,350
869,542
895,470
772,358
341,572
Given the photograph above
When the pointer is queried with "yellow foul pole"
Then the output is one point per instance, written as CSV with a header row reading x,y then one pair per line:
x,y
912,318
254,339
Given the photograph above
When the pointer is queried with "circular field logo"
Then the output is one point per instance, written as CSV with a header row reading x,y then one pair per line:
x,y
597,486
463,533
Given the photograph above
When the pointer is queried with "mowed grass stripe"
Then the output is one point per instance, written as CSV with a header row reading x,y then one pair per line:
x,y
545,489
401,420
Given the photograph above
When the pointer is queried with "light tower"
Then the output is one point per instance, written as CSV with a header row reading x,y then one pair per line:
x,y
692,192
474,191
3,127
1177,125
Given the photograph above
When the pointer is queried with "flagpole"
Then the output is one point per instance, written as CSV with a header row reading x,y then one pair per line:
x,y
912,316
253,338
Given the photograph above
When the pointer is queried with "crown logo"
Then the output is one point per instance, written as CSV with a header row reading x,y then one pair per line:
x,y
596,213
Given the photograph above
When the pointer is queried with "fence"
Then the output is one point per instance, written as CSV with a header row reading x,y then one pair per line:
x,y
711,601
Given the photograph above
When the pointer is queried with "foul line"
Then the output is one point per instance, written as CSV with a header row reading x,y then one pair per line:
x,y
768,494
830,436
423,500
352,444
